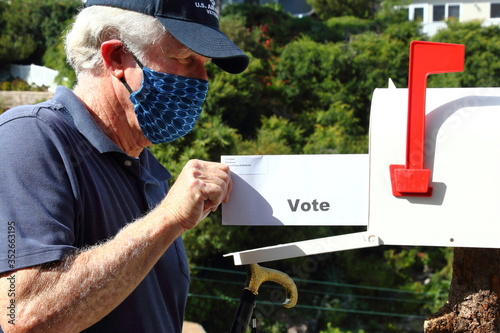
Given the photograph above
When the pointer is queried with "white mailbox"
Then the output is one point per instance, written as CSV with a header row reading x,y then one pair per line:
x,y
434,166
460,150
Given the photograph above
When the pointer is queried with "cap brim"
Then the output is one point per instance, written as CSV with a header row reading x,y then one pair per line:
x,y
208,42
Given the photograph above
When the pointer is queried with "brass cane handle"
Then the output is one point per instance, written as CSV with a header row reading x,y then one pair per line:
x,y
256,275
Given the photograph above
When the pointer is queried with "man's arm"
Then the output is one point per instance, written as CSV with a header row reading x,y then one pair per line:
x,y
73,294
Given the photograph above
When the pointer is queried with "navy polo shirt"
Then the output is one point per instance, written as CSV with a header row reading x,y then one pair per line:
x,y
64,186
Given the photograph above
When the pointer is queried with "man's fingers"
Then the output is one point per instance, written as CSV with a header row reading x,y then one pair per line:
x,y
200,189
229,189
217,181
214,194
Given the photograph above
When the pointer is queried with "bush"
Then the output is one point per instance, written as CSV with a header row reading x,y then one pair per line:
x,y
338,330
2,105
345,26
20,85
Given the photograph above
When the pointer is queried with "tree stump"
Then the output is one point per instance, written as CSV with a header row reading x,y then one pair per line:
x,y
473,301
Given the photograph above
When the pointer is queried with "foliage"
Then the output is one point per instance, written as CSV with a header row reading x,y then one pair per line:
x,y
19,85
3,106
31,32
29,27
326,9
336,132
240,99
15,39
344,26
482,68
343,73
270,28
392,12
338,330
423,270
55,58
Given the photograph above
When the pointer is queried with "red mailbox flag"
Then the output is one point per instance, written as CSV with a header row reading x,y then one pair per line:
x,y
425,58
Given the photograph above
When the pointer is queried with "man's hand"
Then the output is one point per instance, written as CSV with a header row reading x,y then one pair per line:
x,y
199,190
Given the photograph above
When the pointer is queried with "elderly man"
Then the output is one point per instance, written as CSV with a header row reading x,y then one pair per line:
x,y
90,238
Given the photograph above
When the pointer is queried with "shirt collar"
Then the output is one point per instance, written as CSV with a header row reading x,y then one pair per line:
x,y
83,121
80,117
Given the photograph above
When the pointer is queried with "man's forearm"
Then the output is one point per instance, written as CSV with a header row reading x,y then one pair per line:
x,y
75,293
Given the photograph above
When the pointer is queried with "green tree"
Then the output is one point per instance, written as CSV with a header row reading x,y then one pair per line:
x,y
276,136
340,77
326,9
16,42
343,27
29,27
336,131
272,26
55,58
482,50
239,99
392,12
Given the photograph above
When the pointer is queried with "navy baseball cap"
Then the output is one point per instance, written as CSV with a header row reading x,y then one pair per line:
x,y
194,23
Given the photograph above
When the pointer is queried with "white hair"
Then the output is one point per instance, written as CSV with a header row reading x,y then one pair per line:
x,y
97,24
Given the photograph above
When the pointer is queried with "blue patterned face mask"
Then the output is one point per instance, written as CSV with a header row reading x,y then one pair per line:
x,y
167,106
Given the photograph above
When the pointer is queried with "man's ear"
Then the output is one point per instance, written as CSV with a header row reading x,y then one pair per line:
x,y
114,57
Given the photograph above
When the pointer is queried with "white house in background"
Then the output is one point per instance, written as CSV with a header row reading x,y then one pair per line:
x,y
32,74
434,14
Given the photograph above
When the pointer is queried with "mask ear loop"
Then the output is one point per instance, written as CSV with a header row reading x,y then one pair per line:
x,y
122,79
138,62
126,85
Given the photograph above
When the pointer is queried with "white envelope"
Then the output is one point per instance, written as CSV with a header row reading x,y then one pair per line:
x,y
307,190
